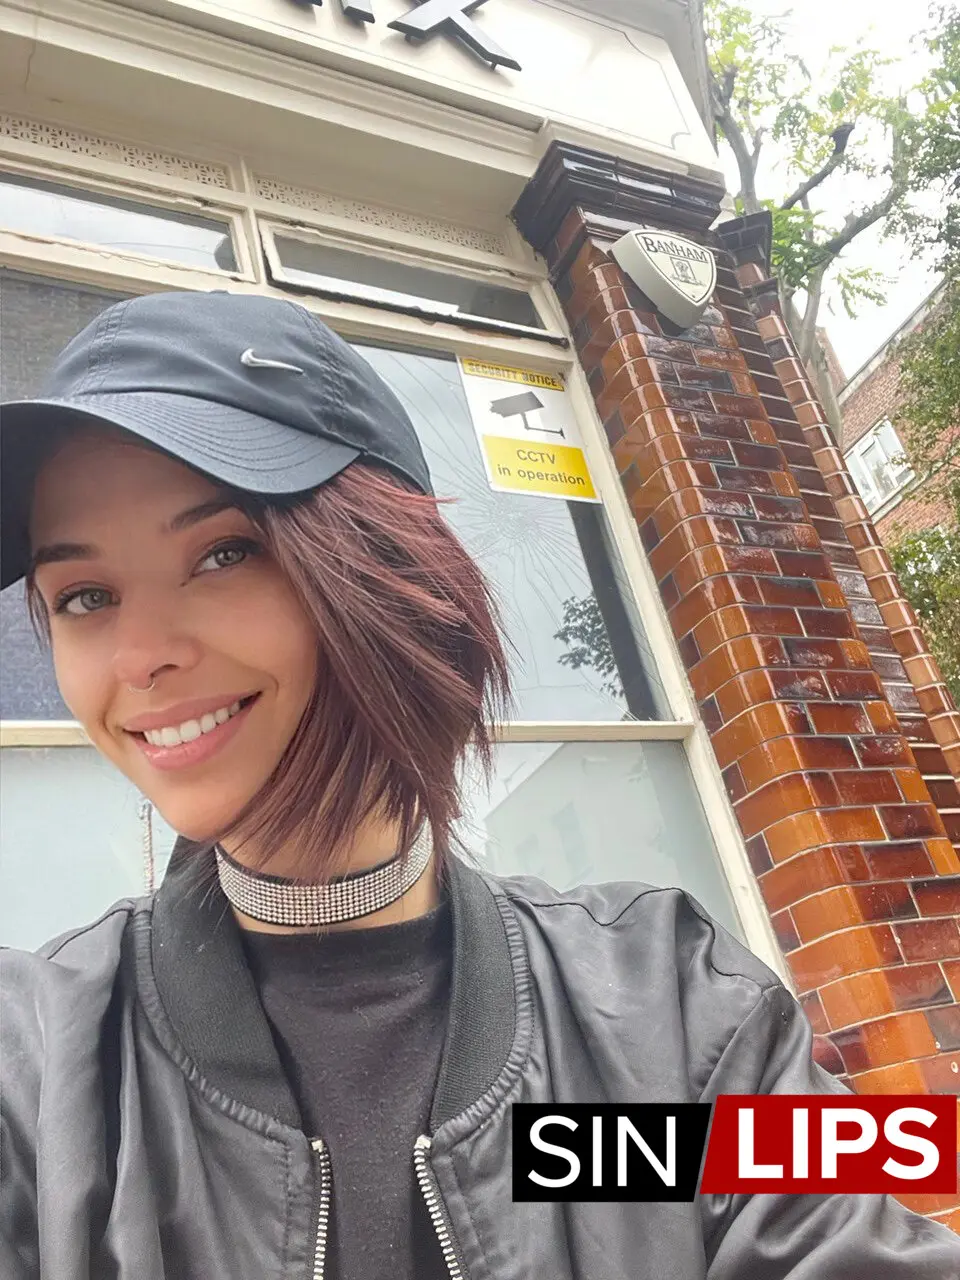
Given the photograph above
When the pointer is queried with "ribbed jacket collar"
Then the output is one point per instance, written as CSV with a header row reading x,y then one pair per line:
x,y
210,998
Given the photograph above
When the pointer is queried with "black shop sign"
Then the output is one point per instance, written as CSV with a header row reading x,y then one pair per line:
x,y
437,17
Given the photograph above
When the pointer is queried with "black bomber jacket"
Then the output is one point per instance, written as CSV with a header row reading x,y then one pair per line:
x,y
149,1133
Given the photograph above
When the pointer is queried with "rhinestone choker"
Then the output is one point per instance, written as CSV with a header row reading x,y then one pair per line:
x,y
277,900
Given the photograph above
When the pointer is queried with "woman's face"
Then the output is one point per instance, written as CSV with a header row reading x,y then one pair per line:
x,y
145,576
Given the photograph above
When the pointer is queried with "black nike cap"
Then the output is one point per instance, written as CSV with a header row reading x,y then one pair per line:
x,y
255,392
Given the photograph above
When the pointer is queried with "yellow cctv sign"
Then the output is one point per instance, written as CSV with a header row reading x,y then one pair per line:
x,y
528,434
556,469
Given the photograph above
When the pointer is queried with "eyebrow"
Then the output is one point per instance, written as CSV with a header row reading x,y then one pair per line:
x,y
58,552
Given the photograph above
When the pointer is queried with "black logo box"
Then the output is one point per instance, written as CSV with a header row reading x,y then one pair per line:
x,y
643,1182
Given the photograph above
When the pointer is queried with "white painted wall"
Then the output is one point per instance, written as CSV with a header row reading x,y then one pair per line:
x,y
586,78
584,73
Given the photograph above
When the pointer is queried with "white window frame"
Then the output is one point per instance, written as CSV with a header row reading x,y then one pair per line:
x,y
211,208
901,474
492,272
253,222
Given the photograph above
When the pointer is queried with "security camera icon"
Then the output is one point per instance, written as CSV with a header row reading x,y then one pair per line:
x,y
518,407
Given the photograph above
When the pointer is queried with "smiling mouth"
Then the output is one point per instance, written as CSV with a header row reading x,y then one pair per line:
x,y
172,736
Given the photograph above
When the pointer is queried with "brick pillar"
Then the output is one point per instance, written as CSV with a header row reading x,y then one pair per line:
x,y
850,852
748,240
914,687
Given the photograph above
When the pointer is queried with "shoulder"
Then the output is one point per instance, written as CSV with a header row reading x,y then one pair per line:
x,y
648,960
66,984
658,927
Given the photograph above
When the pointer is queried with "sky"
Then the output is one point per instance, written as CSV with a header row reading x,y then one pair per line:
x,y
891,28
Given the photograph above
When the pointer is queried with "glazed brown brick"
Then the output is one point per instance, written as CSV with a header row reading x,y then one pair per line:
x,y
901,859
883,750
929,939
813,1008
796,793
863,996
942,1073
849,905
944,1025
904,1077
951,971
785,931
939,897
867,786
907,820
790,882
781,756
800,832
852,951
884,1042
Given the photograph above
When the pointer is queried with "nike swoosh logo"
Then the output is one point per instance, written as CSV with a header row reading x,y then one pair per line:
x,y
253,361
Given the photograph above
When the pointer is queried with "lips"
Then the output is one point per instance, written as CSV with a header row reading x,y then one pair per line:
x,y
180,712
198,750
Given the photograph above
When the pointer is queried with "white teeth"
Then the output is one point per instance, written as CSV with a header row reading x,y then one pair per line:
x,y
173,736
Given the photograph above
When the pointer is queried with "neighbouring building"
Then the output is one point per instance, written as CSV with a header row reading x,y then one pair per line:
x,y
872,446
718,683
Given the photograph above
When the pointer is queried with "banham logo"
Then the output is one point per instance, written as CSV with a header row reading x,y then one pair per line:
x,y
678,276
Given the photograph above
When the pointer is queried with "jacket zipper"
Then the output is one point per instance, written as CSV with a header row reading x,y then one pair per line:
x,y
321,1162
436,1208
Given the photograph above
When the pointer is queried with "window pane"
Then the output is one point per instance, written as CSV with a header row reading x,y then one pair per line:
x,y
399,284
71,842
569,814
579,649
37,319
583,812
893,449
48,209
861,478
880,471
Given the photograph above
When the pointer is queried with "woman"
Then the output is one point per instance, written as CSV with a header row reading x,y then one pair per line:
x,y
298,1057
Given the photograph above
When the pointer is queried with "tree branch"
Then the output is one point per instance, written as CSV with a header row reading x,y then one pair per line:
x,y
746,164
808,232
855,223
807,337
840,137
757,144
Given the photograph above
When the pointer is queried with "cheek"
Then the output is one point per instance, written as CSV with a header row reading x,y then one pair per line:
x,y
276,637
81,677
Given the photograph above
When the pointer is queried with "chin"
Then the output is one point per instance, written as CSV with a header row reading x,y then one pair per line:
x,y
200,823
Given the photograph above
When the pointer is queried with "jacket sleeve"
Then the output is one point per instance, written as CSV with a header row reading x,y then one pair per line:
x,y
19,1107
808,1237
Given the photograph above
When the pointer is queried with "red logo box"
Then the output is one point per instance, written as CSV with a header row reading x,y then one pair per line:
x,y
797,1143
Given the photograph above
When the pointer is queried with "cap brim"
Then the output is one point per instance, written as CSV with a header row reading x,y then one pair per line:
x,y
230,445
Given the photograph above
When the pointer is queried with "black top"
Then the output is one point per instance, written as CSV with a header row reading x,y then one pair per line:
x,y
359,1019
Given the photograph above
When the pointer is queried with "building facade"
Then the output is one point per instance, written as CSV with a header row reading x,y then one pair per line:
x,y
872,446
717,682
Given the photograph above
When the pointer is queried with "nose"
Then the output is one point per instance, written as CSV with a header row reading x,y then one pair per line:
x,y
149,644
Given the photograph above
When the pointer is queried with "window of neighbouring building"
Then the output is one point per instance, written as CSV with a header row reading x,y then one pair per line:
x,y
878,465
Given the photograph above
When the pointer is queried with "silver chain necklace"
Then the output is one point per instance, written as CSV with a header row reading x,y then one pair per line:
x,y
278,900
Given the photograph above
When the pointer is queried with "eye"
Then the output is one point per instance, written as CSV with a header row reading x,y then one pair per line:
x,y
228,554
82,601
